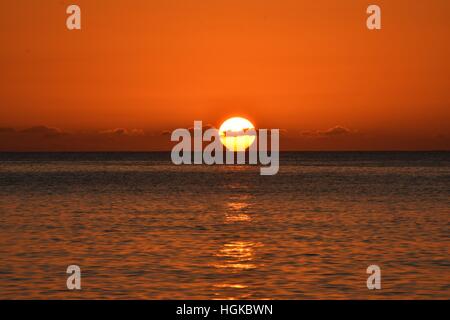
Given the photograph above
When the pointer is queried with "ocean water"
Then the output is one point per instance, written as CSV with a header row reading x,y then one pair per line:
x,y
142,228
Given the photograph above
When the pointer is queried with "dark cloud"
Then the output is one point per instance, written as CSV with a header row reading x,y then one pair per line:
x,y
7,130
239,133
204,128
335,131
166,133
190,129
123,132
46,138
43,131
442,136
309,134
43,138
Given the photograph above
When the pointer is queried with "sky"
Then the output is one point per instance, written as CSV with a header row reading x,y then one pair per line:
x,y
139,69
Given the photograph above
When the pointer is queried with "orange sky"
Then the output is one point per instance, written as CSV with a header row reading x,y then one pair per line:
x,y
311,68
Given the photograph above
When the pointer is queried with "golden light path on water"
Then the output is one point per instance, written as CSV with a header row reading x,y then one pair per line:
x,y
236,257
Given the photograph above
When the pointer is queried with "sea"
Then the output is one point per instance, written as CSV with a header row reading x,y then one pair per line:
x,y
140,227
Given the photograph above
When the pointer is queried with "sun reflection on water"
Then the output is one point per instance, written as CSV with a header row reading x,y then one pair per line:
x,y
238,210
236,217
236,258
237,255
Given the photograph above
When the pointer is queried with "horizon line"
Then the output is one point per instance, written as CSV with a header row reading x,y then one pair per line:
x,y
168,151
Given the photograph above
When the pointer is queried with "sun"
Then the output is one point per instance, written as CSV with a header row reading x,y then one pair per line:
x,y
234,134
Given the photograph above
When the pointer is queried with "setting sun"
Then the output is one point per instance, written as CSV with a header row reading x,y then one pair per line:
x,y
234,134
